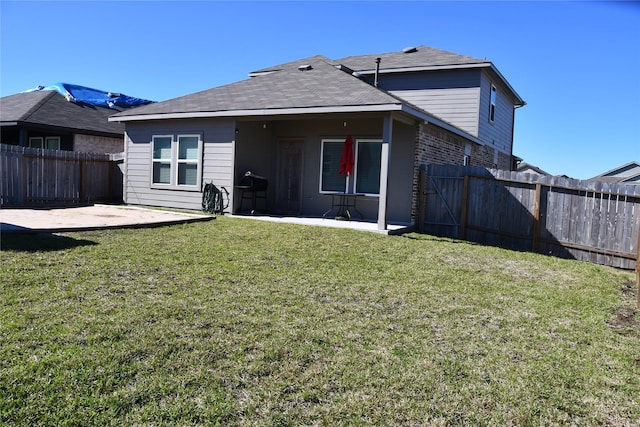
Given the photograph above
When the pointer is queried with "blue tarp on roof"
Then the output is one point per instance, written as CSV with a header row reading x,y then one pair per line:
x,y
86,95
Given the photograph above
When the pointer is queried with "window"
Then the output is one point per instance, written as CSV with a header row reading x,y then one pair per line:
x,y
162,159
492,106
176,162
50,142
331,180
466,160
367,167
366,170
36,142
188,160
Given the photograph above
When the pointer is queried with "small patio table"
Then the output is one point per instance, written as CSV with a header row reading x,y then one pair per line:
x,y
341,203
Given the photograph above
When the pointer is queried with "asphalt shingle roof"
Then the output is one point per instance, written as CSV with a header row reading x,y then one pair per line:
x,y
323,85
327,83
49,108
424,56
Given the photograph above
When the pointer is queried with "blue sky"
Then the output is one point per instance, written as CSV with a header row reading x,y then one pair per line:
x,y
576,64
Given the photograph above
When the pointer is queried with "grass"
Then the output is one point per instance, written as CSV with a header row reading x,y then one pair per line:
x,y
246,323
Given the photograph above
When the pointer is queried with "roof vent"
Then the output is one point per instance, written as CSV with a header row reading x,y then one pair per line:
x,y
305,67
409,49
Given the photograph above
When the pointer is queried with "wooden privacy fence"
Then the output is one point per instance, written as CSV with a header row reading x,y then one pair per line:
x,y
590,221
35,177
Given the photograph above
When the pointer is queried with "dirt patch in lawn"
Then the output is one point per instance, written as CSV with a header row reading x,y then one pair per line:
x,y
624,317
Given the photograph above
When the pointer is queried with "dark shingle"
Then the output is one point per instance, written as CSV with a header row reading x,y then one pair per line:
x,y
424,56
322,86
48,108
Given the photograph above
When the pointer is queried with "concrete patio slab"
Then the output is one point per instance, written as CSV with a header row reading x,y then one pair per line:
x,y
330,222
93,217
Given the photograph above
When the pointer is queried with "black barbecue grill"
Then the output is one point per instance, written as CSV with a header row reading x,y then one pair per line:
x,y
253,187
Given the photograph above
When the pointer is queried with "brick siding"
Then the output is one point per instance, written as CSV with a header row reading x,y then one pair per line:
x,y
97,144
435,145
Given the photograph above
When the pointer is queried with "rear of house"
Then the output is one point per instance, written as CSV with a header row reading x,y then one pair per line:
x,y
289,123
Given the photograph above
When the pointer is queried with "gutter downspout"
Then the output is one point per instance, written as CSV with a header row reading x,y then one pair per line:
x,y
513,131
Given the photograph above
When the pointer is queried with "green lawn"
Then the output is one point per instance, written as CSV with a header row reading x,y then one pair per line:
x,y
247,323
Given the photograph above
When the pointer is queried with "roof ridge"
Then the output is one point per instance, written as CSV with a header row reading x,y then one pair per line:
x,y
280,67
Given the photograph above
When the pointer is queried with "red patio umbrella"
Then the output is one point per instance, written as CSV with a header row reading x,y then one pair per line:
x,y
346,162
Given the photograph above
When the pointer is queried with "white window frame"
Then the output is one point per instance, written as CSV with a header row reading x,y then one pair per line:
x,y
466,159
350,181
186,161
174,161
52,142
493,100
357,164
322,154
46,142
35,138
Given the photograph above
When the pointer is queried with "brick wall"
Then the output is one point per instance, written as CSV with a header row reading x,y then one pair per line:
x,y
97,144
435,145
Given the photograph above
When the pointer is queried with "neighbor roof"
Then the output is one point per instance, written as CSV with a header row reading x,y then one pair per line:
x,y
527,167
628,173
47,108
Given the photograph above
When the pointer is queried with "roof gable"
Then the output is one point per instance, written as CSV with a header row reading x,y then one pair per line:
x,y
20,106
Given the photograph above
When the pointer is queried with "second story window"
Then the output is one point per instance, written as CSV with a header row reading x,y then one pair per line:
x,y
492,105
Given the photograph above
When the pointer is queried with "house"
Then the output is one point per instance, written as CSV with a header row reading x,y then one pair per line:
x,y
64,117
628,173
529,168
290,124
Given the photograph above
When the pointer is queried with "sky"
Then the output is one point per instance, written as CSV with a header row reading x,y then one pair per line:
x,y
575,63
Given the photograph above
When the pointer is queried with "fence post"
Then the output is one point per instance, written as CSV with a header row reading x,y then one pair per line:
x,y
22,169
82,183
421,197
465,202
536,218
638,268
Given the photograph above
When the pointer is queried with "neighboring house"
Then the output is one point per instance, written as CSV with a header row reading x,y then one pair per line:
x,y
289,124
64,117
628,173
529,168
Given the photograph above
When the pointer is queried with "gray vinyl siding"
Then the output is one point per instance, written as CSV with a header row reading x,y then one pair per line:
x,y
497,134
456,106
217,161
452,95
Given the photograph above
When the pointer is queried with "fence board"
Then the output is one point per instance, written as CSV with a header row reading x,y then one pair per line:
x,y
31,177
586,220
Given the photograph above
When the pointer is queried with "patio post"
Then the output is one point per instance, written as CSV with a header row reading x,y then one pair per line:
x,y
385,158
